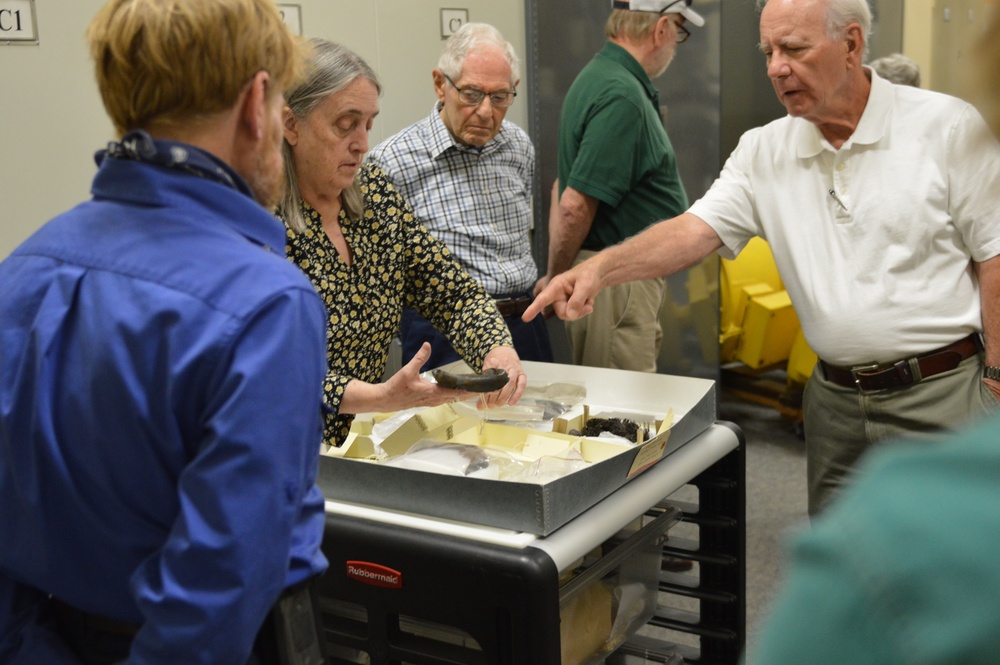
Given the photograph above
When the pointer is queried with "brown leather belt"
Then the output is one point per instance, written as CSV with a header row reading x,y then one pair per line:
x,y
905,372
513,306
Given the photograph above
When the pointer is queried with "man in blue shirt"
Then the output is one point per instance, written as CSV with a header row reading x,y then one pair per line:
x,y
161,363
467,173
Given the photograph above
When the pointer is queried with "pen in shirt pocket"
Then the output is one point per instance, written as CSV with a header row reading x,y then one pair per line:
x,y
836,198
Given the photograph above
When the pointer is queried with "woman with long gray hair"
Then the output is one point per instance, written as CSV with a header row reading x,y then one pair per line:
x,y
358,242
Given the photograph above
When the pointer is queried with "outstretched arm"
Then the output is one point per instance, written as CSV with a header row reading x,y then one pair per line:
x,y
663,249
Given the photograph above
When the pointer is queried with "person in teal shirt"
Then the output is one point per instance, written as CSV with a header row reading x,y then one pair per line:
x,y
903,568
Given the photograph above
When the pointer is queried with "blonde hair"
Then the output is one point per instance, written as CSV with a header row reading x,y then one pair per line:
x,y
331,69
161,63
632,25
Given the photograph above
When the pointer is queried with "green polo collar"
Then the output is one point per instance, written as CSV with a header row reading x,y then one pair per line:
x,y
619,55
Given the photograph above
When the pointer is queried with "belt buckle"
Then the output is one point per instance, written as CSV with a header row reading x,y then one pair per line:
x,y
872,367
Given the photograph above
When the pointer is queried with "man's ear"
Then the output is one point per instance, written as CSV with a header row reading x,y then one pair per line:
x,y
439,83
254,113
661,30
855,41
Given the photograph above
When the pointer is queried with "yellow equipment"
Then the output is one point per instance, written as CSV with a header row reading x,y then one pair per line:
x,y
760,332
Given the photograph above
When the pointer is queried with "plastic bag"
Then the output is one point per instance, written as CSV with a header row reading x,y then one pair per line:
x,y
457,459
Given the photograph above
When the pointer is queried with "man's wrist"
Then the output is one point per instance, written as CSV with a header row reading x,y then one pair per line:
x,y
991,372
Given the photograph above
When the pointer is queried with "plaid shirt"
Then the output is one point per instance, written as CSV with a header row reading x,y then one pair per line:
x,y
475,201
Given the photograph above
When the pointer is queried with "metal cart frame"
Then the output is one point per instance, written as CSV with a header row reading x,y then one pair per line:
x,y
507,599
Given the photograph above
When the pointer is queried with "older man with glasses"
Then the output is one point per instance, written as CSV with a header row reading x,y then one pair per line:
x,y
617,175
467,173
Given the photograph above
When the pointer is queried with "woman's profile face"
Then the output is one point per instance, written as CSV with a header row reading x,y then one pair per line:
x,y
329,144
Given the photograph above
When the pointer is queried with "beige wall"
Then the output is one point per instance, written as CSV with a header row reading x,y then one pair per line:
x,y
939,35
955,26
918,16
52,121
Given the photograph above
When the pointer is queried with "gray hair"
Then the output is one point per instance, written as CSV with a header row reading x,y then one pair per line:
x,y
632,25
842,13
470,37
898,69
331,68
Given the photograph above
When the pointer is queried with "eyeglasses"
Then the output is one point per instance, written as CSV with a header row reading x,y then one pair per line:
x,y
682,33
474,96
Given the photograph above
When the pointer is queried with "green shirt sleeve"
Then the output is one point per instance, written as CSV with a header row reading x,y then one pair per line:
x,y
605,166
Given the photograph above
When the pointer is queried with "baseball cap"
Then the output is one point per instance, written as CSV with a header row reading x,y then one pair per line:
x,y
682,7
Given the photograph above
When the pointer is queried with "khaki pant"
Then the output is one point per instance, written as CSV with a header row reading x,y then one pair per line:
x,y
623,331
841,424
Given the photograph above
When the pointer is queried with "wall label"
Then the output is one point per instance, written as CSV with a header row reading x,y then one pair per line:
x,y
292,16
452,20
17,22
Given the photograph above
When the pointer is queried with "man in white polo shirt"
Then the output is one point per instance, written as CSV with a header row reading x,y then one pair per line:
x,y
882,205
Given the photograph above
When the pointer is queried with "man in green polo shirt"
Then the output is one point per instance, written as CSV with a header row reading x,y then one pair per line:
x,y
618,175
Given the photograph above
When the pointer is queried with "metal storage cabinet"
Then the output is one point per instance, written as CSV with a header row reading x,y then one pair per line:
x,y
498,591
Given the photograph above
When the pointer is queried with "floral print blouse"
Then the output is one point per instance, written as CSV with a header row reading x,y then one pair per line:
x,y
396,263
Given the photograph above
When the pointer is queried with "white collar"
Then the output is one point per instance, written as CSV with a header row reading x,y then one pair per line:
x,y
871,127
